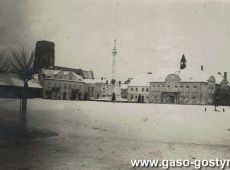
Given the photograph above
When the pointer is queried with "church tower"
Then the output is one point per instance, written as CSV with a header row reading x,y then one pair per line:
x,y
44,55
183,62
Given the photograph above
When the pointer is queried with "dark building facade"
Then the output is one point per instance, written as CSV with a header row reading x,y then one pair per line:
x,y
9,91
44,55
12,87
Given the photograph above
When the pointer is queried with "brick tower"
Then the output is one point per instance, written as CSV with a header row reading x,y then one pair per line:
x,y
44,55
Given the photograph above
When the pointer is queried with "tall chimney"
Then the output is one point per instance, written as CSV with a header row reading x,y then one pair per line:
x,y
225,75
202,68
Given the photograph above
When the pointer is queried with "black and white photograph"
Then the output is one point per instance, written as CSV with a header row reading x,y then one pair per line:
x,y
114,84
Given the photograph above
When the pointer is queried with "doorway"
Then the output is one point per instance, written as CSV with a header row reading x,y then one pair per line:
x,y
170,99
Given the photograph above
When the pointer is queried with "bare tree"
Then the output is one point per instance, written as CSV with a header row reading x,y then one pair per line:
x,y
3,66
22,64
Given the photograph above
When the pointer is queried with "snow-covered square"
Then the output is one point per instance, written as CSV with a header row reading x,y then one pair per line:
x,y
106,135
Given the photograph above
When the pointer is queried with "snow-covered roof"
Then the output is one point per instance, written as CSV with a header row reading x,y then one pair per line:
x,y
161,74
50,72
124,86
192,75
94,81
75,76
13,80
141,80
59,74
186,75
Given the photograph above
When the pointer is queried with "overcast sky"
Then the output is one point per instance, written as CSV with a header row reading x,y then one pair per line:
x,y
150,34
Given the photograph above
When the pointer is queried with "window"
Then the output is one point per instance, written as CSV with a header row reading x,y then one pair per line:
x,y
131,89
92,88
136,89
195,89
187,88
211,90
131,97
142,89
65,86
147,89
176,88
194,100
168,88
181,88
158,87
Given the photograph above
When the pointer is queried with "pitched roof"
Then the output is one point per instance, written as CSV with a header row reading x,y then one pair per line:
x,y
141,80
59,74
94,81
13,80
84,73
186,75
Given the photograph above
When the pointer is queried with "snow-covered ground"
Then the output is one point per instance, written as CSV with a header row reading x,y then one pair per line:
x,y
104,135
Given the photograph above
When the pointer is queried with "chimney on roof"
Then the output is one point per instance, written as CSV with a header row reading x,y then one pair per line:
x,y
202,68
224,82
225,75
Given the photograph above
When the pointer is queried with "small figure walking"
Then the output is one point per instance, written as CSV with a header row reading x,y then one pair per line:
x,y
205,109
113,98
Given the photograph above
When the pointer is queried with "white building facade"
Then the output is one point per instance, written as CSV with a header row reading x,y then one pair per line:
x,y
138,88
60,89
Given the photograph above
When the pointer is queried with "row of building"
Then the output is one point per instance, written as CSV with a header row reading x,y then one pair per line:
x,y
56,82
67,85
182,86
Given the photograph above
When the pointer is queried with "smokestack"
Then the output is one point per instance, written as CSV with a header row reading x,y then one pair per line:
x,y
202,68
225,75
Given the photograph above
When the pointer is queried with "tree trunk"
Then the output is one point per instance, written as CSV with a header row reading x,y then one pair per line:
x,y
24,105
